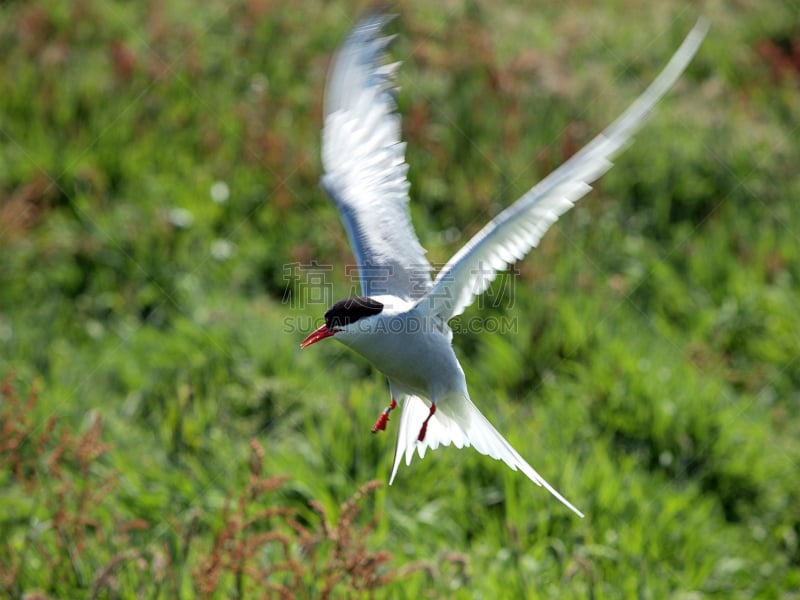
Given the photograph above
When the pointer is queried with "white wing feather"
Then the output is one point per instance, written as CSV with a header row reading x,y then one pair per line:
x,y
365,168
510,235
457,421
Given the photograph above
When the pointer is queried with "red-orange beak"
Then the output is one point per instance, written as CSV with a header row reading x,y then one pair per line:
x,y
319,334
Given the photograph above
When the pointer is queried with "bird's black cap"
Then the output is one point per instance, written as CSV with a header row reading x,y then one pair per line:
x,y
351,310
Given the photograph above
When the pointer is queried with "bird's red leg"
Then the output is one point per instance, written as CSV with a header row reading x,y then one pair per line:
x,y
424,429
380,424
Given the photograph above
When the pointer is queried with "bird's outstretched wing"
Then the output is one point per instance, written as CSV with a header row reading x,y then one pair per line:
x,y
365,168
512,233
458,421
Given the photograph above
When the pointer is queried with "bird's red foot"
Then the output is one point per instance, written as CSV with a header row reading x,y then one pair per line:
x,y
380,424
424,429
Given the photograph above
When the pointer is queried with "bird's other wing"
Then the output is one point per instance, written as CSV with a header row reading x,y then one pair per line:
x,y
458,421
365,168
512,233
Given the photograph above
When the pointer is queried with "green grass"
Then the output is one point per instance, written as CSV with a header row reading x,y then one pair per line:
x,y
155,391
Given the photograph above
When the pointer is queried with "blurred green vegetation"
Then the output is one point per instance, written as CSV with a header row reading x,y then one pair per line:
x,y
158,174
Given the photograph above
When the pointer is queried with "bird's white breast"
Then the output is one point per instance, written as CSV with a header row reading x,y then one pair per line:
x,y
411,349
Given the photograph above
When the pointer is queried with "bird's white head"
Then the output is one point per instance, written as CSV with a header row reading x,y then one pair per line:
x,y
345,317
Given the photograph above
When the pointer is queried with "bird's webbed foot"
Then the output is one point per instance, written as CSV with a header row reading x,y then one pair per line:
x,y
424,429
380,424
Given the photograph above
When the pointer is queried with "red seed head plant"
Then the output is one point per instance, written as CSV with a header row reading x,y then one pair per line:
x,y
268,549
69,529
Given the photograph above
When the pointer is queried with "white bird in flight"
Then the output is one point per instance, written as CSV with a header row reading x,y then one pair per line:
x,y
400,322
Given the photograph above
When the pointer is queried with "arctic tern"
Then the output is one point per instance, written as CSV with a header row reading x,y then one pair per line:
x,y
400,322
